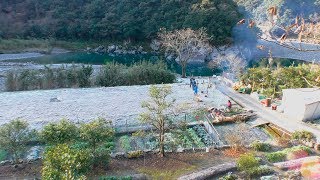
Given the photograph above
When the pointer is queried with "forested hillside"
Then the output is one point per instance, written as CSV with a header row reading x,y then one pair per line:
x,y
114,19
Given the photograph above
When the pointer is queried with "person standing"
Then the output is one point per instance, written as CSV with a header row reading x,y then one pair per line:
x,y
229,104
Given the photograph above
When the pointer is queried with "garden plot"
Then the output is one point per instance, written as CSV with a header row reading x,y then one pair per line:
x,y
193,137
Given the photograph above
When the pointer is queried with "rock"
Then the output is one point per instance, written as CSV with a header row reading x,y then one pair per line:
x,y
55,100
155,45
139,177
140,49
5,163
118,155
34,153
293,175
112,48
100,49
88,49
210,172
272,177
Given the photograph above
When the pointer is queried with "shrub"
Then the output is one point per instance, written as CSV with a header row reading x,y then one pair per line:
x,y
142,73
259,171
61,132
62,162
297,148
96,133
282,155
125,143
135,154
276,156
246,162
260,146
14,137
3,155
49,78
297,154
302,135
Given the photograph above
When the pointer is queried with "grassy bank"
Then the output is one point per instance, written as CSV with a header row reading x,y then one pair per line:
x,y
46,46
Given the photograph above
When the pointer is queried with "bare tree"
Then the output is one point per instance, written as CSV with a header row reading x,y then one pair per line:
x,y
231,62
186,44
157,114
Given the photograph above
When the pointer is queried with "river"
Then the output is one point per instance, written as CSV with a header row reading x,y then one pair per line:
x,y
18,62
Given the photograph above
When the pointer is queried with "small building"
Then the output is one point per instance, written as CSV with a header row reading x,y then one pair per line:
x,y
301,104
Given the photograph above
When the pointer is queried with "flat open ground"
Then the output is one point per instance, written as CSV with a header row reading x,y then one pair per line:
x,y
119,104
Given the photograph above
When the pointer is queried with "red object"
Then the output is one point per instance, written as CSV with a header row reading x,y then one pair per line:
x,y
266,102
274,107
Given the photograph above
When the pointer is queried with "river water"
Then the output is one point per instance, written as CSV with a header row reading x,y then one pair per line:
x,y
196,69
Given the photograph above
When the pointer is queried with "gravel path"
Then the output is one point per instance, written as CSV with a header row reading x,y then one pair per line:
x,y
119,104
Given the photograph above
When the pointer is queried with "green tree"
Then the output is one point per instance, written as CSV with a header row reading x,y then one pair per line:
x,y
99,136
158,108
61,132
14,137
62,162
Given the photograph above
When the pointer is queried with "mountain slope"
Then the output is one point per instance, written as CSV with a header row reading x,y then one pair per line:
x,y
114,19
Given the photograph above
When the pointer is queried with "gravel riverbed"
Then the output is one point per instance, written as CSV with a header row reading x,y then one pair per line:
x,y
122,104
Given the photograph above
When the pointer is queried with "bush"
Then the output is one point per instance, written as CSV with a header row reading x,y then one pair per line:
x,y
297,148
259,171
135,154
276,156
14,137
260,146
282,155
246,162
61,132
49,78
96,133
62,162
302,135
142,73
125,143
3,155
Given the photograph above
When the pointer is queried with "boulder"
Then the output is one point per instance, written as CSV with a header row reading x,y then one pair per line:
x,y
5,163
210,172
112,48
272,177
100,49
155,45
55,100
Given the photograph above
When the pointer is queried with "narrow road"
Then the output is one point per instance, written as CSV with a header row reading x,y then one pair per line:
x,y
266,114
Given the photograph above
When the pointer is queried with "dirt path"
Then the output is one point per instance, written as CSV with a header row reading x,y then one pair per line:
x,y
267,114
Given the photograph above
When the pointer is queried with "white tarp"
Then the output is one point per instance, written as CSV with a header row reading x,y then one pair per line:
x,y
302,104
